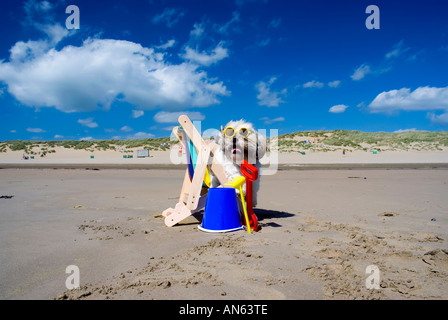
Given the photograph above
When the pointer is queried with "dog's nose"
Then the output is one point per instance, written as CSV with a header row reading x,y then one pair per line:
x,y
234,140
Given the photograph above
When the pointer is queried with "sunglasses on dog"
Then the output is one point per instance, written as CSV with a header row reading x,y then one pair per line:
x,y
230,132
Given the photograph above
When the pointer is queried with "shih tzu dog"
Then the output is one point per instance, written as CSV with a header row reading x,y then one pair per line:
x,y
239,141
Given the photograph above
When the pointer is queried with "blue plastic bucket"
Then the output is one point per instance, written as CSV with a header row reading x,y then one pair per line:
x,y
221,212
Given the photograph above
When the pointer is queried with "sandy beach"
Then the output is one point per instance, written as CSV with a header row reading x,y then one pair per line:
x,y
320,230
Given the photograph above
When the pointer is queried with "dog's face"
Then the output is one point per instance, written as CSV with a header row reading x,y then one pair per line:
x,y
239,141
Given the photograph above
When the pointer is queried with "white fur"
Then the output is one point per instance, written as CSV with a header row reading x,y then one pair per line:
x,y
233,151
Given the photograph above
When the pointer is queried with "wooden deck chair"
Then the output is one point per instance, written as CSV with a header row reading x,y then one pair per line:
x,y
197,179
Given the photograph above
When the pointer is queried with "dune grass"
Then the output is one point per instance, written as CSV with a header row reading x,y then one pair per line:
x,y
300,141
358,140
100,145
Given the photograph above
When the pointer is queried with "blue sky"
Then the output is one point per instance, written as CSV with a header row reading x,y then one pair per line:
x,y
133,66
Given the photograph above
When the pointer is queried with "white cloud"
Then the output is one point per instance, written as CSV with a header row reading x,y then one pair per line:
x,y
37,12
404,130
267,97
421,99
313,84
339,108
88,123
224,28
23,51
441,119
137,113
58,136
33,7
126,129
397,50
35,130
269,120
361,72
198,30
13,131
334,84
167,45
40,15
170,16
102,71
55,32
86,139
171,117
204,58
140,135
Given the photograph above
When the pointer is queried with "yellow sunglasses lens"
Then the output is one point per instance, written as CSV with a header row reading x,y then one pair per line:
x,y
244,132
229,132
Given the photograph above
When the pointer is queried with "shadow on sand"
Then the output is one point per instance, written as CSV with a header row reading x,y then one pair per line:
x,y
266,215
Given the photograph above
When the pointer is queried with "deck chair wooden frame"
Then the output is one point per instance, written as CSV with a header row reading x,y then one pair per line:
x,y
193,196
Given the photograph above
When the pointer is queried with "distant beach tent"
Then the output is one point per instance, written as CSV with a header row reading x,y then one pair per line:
x,y
142,153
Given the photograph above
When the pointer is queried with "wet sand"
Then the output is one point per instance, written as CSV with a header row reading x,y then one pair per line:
x,y
320,229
